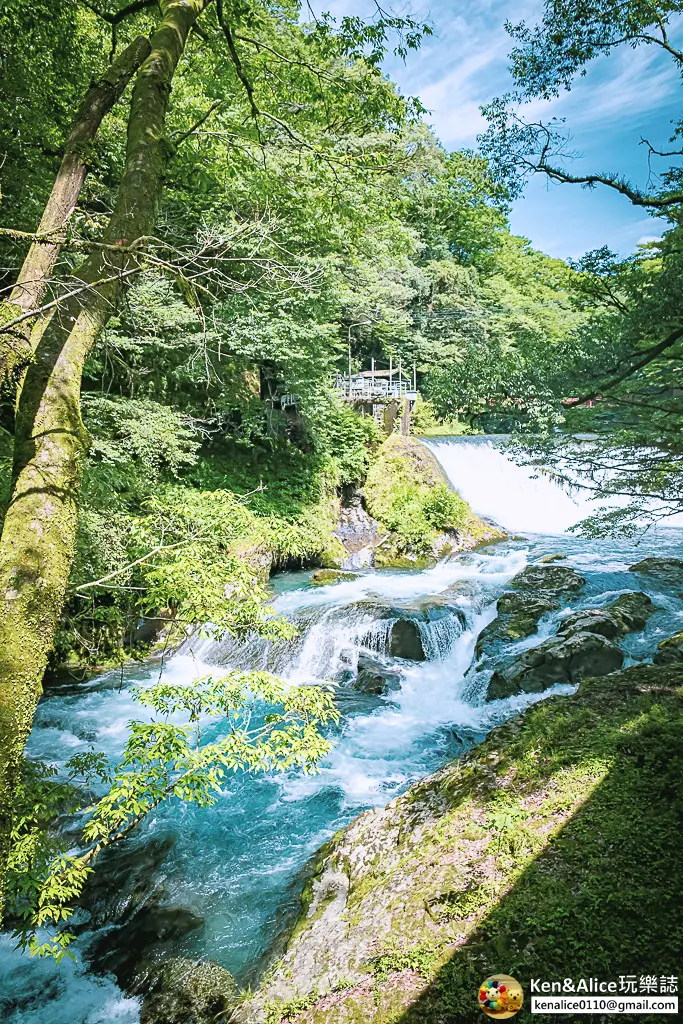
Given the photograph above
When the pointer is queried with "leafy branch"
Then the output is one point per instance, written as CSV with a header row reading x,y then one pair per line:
x,y
271,727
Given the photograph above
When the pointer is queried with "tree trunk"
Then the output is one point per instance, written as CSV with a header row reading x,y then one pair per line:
x,y
27,294
37,544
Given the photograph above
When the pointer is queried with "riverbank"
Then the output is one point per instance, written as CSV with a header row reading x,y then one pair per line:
x,y
551,850
401,512
222,885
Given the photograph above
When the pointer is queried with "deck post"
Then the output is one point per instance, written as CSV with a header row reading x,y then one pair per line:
x,y
405,417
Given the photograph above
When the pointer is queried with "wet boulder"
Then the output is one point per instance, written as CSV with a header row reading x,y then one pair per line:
x,y
669,651
129,877
668,570
558,660
539,589
547,559
405,640
176,990
518,616
628,614
558,579
153,931
324,577
374,677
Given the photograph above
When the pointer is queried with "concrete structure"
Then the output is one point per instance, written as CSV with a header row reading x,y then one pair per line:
x,y
381,394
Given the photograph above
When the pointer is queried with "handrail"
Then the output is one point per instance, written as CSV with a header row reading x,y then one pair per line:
x,y
366,387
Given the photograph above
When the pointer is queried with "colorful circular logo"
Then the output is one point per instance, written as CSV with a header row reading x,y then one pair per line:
x,y
500,996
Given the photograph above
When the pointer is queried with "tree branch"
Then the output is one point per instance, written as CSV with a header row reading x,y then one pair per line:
x,y
125,568
118,16
646,357
618,184
202,120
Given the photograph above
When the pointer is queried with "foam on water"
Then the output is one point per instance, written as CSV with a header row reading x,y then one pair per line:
x,y
236,863
42,992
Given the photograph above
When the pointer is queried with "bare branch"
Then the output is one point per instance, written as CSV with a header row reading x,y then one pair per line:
x,y
125,568
202,120
636,197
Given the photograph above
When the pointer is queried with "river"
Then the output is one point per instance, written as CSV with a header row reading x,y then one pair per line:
x,y
236,866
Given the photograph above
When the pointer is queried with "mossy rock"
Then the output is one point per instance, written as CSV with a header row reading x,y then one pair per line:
x,y
333,554
670,651
669,570
324,577
628,614
558,579
183,991
392,554
539,589
558,660
518,617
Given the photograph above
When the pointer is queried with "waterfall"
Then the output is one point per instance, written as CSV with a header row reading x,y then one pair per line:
x,y
237,864
522,499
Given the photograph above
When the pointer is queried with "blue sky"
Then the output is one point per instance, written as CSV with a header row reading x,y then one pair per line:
x,y
630,94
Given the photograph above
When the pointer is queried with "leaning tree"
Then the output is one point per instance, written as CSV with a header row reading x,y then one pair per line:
x,y
50,325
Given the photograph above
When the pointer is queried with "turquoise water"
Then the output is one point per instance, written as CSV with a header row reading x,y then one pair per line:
x,y
237,866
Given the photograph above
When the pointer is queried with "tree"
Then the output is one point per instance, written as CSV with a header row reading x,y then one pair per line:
x,y
550,56
269,727
18,314
331,70
617,375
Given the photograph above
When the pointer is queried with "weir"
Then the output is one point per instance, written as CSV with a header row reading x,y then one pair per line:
x,y
521,499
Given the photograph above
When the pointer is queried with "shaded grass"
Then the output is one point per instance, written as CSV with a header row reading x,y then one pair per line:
x,y
555,852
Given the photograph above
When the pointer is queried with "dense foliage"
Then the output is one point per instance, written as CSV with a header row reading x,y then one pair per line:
x,y
306,221
617,374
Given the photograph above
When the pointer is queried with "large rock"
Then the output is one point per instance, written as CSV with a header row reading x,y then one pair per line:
x,y
356,529
558,660
670,651
324,577
182,991
374,677
628,614
518,616
152,932
538,589
670,570
558,579
128,878
405,640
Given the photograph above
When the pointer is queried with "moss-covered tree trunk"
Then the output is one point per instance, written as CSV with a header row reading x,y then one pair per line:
x,y
38,536
27,294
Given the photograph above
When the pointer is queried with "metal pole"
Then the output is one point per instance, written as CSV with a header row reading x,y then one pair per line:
x,y
391,369
414,378
349,357
372,364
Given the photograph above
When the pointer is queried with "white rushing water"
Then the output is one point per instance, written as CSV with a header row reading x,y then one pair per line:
x,y
519,498
236,864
